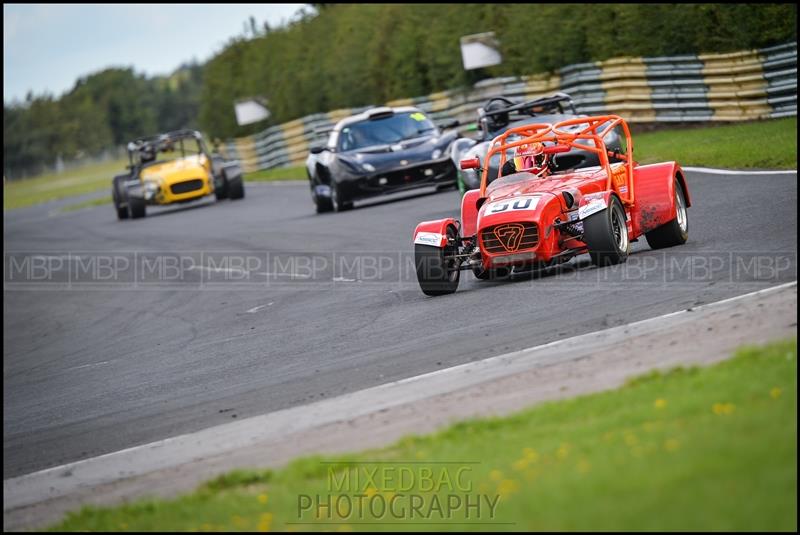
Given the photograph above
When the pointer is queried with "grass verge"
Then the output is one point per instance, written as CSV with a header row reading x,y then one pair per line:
x,y
51,187
691,449
282,173
103,201
770,144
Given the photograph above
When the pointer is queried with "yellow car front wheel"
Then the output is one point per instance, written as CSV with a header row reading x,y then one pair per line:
x,y
137,207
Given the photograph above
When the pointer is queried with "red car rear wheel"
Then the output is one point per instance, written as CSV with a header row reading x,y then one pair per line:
x,y
676,232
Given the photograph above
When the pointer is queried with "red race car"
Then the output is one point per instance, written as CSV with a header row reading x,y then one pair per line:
x,y
533,217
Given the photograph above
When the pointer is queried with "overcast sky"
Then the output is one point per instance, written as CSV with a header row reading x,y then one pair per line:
x,y
47,47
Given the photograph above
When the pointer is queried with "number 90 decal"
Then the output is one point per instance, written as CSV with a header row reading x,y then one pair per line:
x,y
518,203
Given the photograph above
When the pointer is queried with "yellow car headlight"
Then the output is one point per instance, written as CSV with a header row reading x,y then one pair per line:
x,y
151,188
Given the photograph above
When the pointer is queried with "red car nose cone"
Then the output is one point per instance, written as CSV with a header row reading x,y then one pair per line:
x,y
510,235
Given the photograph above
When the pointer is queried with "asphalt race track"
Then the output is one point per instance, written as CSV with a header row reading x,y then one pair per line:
x,y
227,310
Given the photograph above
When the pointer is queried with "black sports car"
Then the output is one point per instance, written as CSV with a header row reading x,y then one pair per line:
x,y
500,113
382,150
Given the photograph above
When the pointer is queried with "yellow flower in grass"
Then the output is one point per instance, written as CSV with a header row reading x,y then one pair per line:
x,y
265,522
507,486
630,439
495,475
563,451
263,499
660,403
520,464
370,491
530,454
672,444
775,393
723,408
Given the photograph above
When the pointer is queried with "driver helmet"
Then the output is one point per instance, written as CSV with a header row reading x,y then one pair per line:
x,y
498,121
147,153
530,157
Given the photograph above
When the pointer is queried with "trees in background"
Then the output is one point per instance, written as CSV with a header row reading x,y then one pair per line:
x,y
350,55
103,110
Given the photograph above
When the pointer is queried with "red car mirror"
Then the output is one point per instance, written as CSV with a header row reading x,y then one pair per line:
x,y
472,163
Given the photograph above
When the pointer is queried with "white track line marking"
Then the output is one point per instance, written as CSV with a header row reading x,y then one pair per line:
x,y
480,371
87,366
237,271
259,307
292,275
618,327
712,171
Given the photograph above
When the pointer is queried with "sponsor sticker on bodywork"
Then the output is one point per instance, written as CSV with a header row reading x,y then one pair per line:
x,y
594,206
429,238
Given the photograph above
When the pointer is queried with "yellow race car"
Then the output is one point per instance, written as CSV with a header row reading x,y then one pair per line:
x,y
174,167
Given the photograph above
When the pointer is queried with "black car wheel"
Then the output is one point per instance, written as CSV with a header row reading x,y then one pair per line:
x,y
339,202
606,235
322,204
676,232
438,272
119,196
236,188
221,191
137,206
122,211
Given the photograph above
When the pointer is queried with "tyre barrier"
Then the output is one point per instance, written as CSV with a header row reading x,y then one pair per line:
x,y
738,86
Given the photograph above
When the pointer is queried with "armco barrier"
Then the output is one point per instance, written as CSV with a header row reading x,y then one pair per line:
x,y
738,86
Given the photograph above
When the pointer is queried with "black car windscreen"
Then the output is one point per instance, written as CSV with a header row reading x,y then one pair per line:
x,y
385,130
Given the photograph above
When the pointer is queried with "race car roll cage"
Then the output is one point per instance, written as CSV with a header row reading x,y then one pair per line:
x,y
551,103
134,147
566,141
559,102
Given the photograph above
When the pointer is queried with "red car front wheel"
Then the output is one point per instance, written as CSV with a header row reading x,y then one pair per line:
x,y
438,271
